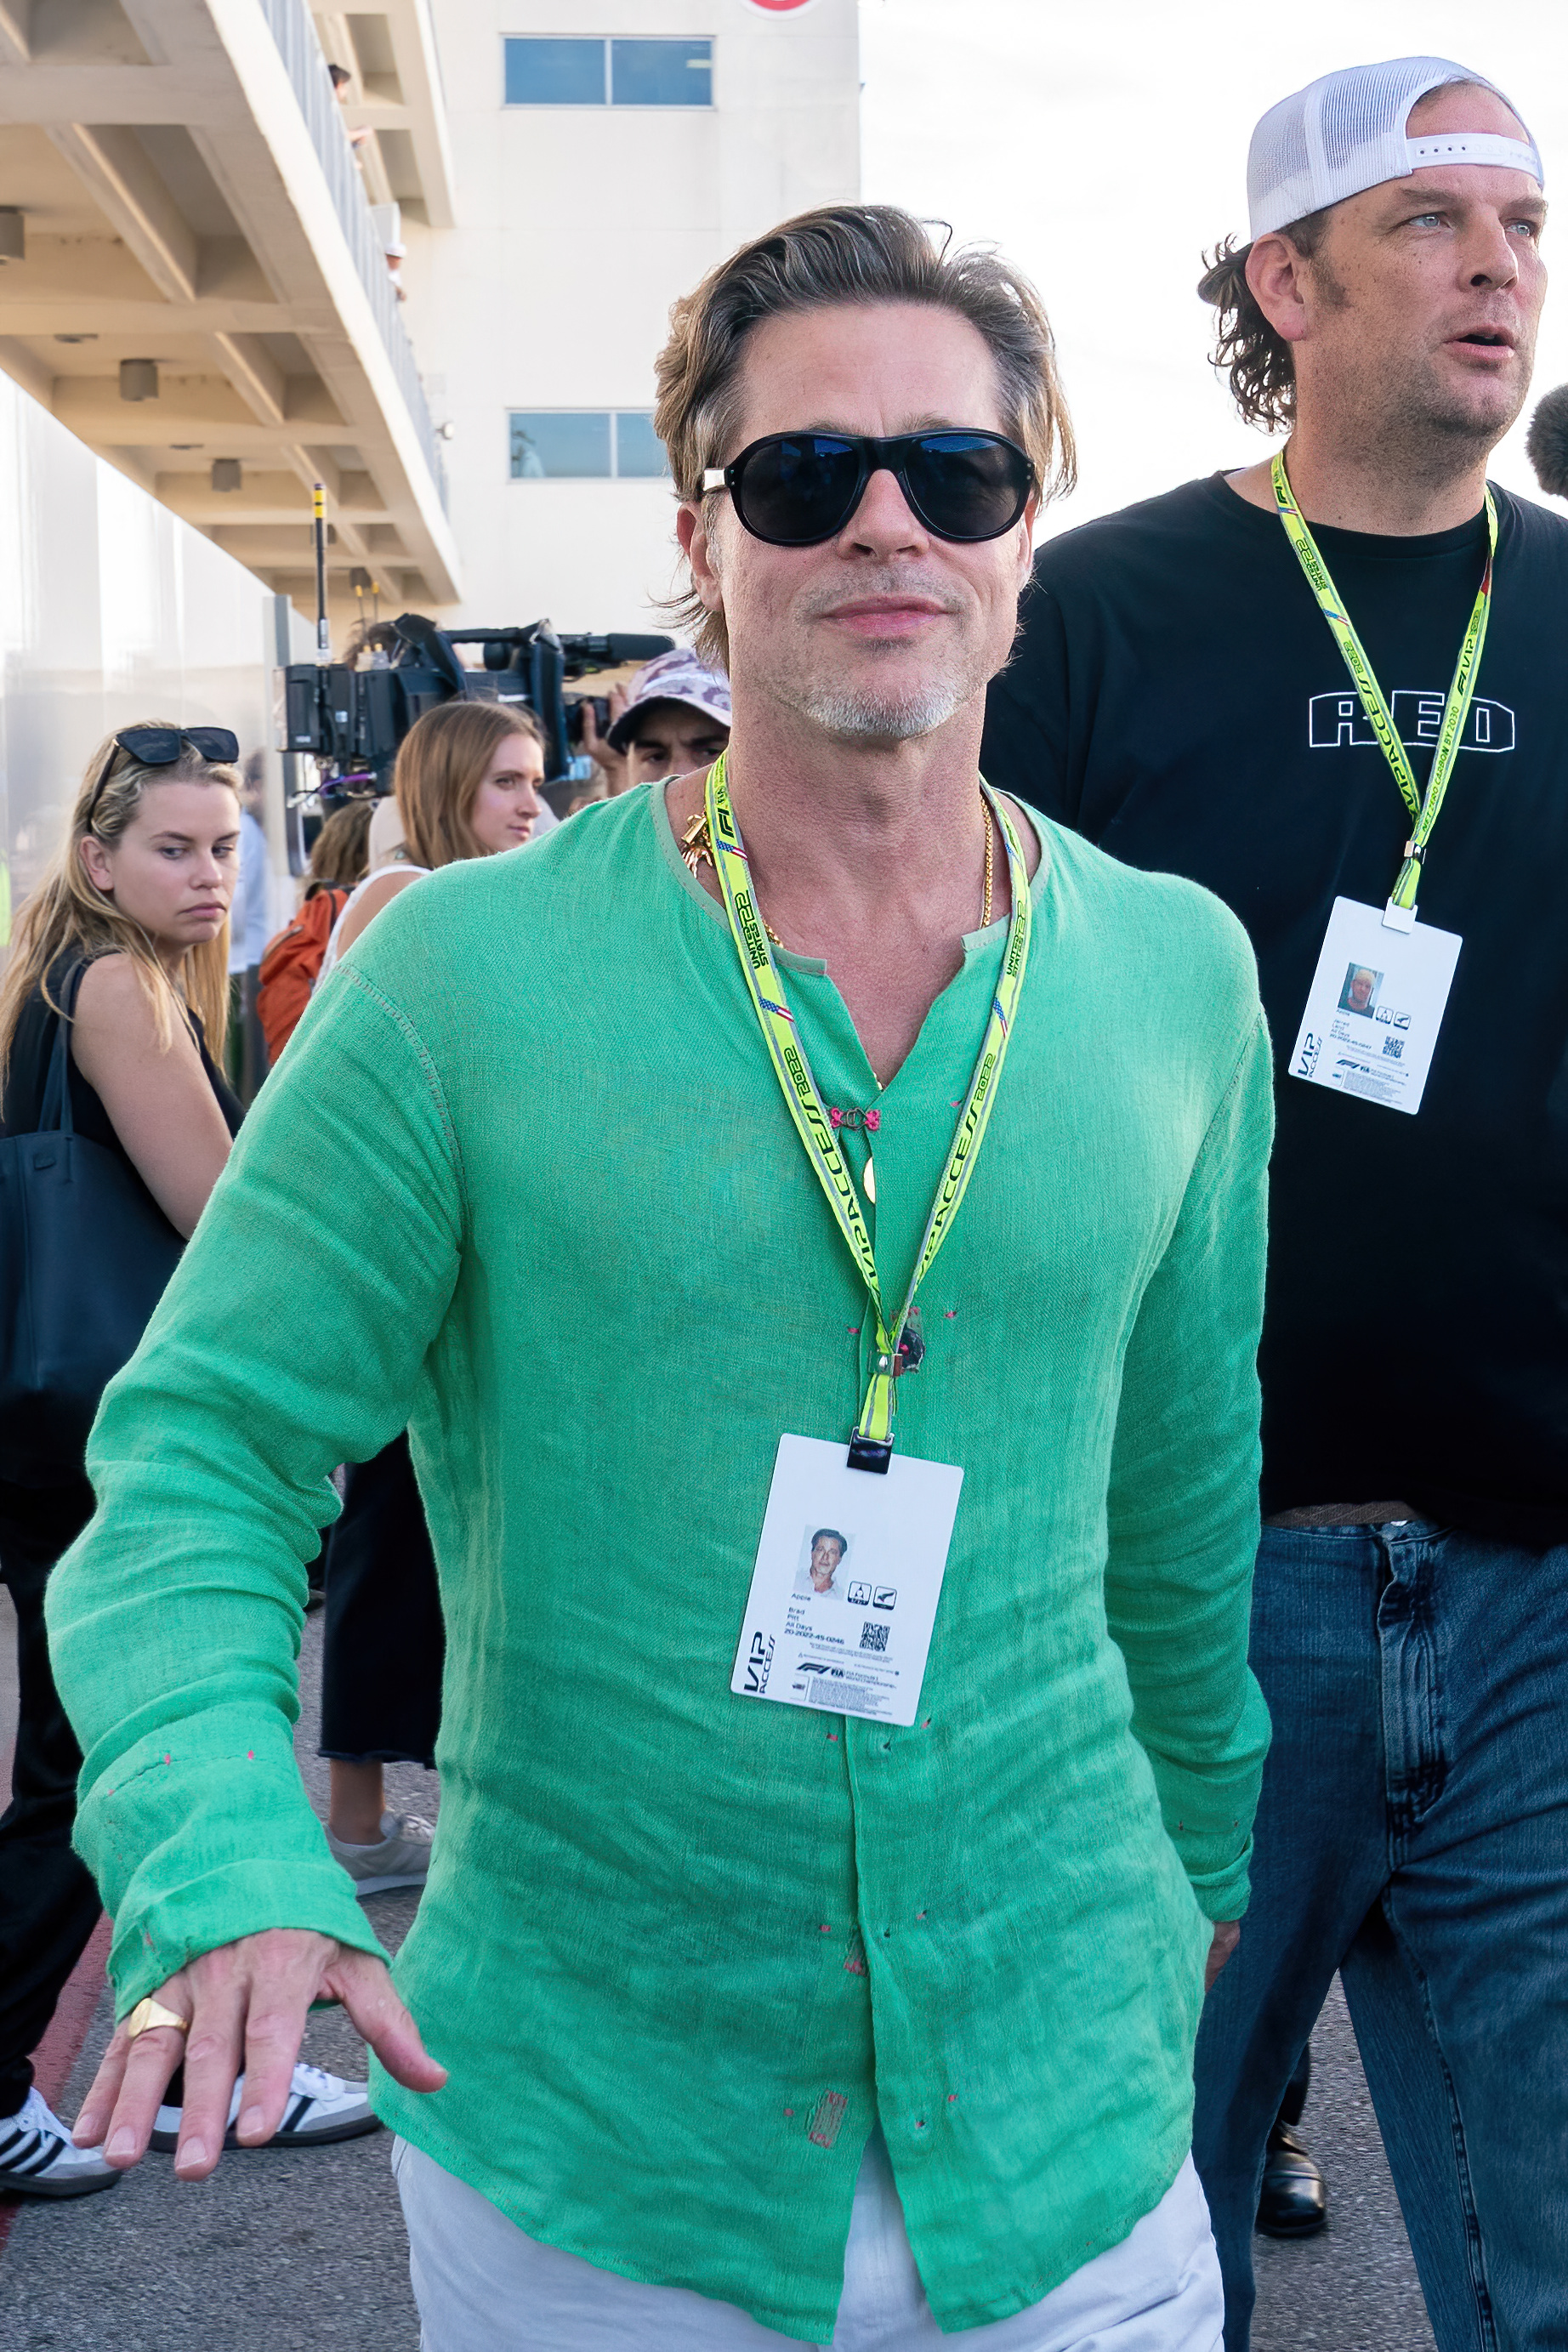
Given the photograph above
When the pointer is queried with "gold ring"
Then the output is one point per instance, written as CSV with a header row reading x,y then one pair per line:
x,y
150,2012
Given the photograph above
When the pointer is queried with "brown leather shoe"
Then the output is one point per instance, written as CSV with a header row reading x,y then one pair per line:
x,y
1294,2200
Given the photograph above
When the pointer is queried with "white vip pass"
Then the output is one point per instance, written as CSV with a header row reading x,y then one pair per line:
x,y
849,1574
1375,1006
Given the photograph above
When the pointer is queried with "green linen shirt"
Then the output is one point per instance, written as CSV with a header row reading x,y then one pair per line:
x,y
526,1182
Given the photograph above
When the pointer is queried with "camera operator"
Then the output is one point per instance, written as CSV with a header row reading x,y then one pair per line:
x,y
675,721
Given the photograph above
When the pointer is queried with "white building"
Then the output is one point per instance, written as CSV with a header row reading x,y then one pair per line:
x,y
201,290
609,152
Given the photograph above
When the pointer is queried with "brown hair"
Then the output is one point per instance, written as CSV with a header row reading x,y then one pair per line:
x,y
1253,354
68,910
439,770
342,850
848,253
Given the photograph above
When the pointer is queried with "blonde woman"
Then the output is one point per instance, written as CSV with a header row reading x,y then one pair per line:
x,y
467,783
126,938
130,919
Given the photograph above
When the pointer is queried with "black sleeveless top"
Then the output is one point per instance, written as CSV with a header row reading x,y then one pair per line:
x,y
28,1071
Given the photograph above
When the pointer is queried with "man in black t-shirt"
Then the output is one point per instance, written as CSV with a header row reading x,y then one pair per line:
x,y
1185,693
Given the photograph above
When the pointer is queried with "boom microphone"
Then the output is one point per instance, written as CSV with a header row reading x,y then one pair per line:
x,y
1546,443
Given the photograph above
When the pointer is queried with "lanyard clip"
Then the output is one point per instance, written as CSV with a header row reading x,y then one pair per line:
x,y
1399,914
867,1454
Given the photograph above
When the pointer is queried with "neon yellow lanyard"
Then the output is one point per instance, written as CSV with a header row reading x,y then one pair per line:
x,y
875,1428
1424,808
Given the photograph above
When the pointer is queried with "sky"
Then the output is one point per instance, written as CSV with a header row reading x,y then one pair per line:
x,y
1103,145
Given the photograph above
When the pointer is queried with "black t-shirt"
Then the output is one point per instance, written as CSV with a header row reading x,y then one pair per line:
x,y
1178,698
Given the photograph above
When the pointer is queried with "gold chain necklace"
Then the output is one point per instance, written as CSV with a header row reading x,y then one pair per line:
x,y
697,850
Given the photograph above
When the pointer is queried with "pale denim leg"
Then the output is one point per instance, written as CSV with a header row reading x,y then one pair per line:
x,y
483,2285
1158,2291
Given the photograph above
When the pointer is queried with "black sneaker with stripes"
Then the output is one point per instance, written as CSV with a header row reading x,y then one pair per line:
x,y
38,2157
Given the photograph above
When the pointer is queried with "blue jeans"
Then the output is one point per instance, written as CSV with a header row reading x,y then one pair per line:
x,y
1414,1835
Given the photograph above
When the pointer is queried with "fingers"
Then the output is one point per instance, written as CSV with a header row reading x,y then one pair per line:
x,y
102,2092
247,2003
273,2033
152,2058
121,2107
283,1971
365,1989
212,2048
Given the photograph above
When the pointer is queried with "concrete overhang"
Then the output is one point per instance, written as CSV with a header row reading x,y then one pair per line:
x,y
396,94
189,196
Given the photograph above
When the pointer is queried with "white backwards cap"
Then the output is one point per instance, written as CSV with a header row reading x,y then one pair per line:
x,y
1346,132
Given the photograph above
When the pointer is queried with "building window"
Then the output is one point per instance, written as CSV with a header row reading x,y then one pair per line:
x,y
662,73
555,73
586,444
543,70
639,452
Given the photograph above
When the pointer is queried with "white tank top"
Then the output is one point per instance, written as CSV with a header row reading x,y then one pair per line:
x,y
399,866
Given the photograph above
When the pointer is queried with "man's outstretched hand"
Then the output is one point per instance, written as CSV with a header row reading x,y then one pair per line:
x,y
246,2003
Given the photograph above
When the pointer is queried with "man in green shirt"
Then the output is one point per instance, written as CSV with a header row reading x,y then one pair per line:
x,y
755,1931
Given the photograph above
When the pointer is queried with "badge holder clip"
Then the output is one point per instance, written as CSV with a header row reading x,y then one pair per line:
x,y
868,1452
1396,918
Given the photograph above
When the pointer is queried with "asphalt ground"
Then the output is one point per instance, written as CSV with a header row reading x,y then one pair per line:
x,y
290,2252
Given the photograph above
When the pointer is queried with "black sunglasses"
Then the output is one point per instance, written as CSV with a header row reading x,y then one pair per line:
x,y
159,747
795,489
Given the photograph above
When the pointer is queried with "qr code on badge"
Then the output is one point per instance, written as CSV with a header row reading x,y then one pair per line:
x,y
873,1637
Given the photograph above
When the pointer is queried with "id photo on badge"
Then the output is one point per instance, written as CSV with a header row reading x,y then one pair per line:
x,y
823,1553
1359,994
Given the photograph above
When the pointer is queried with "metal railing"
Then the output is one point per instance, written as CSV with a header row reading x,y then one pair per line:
x,y
291,28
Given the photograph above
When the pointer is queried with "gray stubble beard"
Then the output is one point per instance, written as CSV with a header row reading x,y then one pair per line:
x,y
866,716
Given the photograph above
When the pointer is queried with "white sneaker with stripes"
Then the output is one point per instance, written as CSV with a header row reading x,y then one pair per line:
x,y
321,2107
38,2157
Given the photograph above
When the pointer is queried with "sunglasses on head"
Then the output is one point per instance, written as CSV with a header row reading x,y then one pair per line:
x,y
159,747
795,489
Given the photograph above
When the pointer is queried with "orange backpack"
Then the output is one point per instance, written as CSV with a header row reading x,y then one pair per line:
x,y
290,966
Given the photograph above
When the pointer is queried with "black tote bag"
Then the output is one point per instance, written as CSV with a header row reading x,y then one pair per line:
x,y
85,1254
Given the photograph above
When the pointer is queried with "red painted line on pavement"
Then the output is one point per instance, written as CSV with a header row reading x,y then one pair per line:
x,y
61,2048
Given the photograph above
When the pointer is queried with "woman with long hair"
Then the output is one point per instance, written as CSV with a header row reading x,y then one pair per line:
x,y
125,942
467,782
125,939
138,893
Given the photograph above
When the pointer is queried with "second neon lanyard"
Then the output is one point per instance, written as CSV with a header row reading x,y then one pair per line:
x,y
1423,807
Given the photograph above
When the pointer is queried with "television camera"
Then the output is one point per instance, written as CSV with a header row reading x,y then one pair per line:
x,y
352,720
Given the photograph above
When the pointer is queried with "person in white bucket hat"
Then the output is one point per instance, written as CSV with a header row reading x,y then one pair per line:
x,y
1328,687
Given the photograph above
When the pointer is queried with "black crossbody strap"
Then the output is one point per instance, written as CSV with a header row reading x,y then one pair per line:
x,y
55,1108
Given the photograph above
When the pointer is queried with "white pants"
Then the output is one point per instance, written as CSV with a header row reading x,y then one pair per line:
x,y
483,2285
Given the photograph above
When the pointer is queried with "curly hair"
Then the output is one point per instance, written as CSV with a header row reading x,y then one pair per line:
x,y
1253,354
848,253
